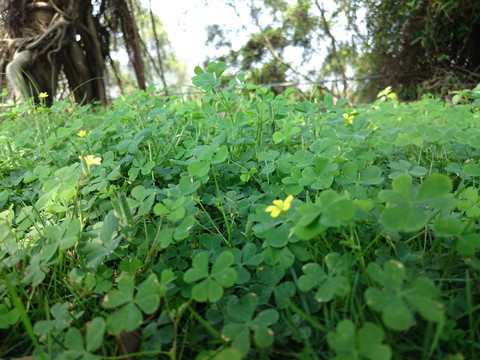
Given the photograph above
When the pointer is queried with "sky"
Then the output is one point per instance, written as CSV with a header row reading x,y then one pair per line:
x,y
185,22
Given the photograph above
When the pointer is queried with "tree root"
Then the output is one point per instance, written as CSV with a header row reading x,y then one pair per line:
x,y
15,73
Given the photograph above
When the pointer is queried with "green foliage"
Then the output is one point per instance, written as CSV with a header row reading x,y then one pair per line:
x,y
366,343
241,322
280,29
395,299
438,49
211,286
160,231
414,47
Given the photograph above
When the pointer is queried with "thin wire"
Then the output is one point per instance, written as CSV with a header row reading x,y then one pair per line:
x,y
324,81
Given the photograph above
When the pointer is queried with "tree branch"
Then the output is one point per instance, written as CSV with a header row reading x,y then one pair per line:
x,y
158,48
283,62
326,28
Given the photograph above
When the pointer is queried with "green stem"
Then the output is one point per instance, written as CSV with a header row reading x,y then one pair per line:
x,y
222,210
207,326
76,197
308,318
23,313
212,222
154,244
468,291
300,294
226,105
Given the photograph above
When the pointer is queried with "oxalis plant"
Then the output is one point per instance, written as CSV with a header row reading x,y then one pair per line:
x,y
240,224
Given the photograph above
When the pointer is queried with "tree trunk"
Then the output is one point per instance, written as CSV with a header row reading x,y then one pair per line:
x,y
40,38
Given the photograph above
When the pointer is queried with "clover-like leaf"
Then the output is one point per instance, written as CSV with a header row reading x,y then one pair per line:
x,y
221,270
199,168
402,185
391,276
397,316
206,81
422,296
369,340
239,335
313,274
402,213
470,202
228,354
277,237
122,295
364,343
435,186
147,297
283,294
222,275
336,285
95,332
467,244
266,318
330,285
338,213
243,309
241,312
250,256
127,318
338,263
182,230
73,340
403,218
262,336
207,289
8,317
397,299
343,339
199,269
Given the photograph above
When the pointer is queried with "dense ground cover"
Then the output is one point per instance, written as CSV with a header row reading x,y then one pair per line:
x,y
241,225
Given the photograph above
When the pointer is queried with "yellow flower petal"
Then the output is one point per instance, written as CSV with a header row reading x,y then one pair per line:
x,y
270,208
278,203
287,203
279,206
82,133
349,119
92,160
275,212
43,95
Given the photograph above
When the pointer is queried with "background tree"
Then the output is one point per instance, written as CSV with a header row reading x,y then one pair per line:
x,y
41,38
436,41
296,42
415,46
160,61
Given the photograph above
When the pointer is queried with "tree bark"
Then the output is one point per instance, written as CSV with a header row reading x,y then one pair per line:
x,y
42,37
159,48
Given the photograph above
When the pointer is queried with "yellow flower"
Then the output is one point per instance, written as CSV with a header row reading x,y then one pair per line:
x,y
349,119
82,133
43,95
279,206
91,160
302,122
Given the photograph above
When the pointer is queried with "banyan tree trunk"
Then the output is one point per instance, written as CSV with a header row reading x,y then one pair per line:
x,y
43,37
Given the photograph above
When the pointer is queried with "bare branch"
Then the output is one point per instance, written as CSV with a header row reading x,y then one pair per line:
x,y
158,48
